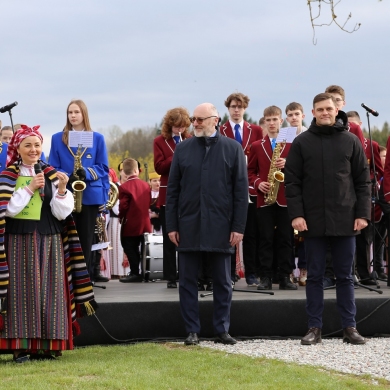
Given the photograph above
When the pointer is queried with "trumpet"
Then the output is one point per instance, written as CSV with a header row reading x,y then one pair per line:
x,y
78,186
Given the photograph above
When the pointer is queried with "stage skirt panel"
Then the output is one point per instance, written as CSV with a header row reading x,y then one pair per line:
x,y
119,265
38,309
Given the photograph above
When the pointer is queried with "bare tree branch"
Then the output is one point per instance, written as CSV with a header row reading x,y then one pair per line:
x,y
333,17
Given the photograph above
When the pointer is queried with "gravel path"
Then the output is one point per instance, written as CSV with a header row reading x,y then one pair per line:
x,y
372,358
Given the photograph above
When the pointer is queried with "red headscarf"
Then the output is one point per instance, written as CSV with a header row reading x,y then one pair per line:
x,y
16,140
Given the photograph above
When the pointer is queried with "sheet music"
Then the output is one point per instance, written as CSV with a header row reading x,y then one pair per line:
x,y
84,138
287,134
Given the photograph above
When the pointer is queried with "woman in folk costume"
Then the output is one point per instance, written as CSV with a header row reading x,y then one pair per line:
x,y
44,284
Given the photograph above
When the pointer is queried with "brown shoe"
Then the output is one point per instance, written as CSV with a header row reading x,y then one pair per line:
x,y
312,337
351,335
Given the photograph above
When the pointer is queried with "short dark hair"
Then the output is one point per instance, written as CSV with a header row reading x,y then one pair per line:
x,y
324,96
294,106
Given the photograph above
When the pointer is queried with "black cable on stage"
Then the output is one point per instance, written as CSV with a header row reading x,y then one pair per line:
x,y
241,338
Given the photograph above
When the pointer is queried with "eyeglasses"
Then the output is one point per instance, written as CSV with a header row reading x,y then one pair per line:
x,y
200,120
234,107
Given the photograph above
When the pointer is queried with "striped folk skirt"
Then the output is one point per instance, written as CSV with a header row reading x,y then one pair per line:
x,y
38,305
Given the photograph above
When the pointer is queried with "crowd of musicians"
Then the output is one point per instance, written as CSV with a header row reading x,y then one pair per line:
x,y
213,185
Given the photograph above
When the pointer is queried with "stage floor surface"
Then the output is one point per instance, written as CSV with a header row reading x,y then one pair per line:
x,y
130,312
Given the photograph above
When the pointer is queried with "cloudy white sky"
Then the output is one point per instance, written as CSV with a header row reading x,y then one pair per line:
x,y
130,61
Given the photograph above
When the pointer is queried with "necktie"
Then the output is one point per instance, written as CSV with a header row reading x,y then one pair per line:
x,y
273,143
176,138
237,134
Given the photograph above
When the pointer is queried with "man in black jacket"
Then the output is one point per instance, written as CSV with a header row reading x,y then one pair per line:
x,y
328,196
207,200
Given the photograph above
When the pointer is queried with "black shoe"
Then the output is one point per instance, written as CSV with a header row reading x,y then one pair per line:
x,y
131,279
368,282
209,286
225,338
200,286
328,282
42,356
171,284
286,284
312,337
351,335
192,339
100,278
265,283
382,275
21,358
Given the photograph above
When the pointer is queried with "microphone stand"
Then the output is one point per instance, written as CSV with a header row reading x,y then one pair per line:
x,y
375,201
10,117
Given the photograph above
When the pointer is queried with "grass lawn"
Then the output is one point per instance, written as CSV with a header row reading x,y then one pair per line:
x,y
170,366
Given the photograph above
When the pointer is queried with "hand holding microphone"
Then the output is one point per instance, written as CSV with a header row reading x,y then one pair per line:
x,y
38,181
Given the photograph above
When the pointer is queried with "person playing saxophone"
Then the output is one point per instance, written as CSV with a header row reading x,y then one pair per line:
x,y
88,165
266,162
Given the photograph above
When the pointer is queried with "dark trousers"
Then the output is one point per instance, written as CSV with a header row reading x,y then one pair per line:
x,y
275,231
85,225
249,242
206,270
169,251
131,246
380,243
363,255
190,263
343,250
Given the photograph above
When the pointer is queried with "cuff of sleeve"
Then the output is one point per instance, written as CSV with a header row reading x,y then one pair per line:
x,y
93,174
31,193
61,196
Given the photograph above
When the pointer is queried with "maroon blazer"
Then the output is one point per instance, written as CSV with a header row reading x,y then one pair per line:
x,y
163,150
377,158
251,133
355,129
134,202
258,168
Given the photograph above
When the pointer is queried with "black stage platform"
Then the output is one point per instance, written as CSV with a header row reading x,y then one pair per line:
x,y
147,311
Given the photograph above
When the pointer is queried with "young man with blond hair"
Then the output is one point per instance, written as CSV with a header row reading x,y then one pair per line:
x,y
275,232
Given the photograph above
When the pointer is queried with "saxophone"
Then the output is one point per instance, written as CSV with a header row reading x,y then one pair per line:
x,y
78,186
275,177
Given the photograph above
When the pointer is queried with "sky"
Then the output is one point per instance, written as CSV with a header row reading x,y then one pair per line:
x,y
130,61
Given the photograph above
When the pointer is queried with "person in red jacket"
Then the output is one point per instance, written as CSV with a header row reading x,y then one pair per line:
x,y
245,134
174,130
134,202
275,232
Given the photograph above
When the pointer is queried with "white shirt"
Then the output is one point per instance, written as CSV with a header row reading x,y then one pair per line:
x,y
241,130
61,206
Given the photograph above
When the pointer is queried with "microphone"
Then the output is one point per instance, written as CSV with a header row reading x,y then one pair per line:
x,y
38,169
370,110
8,107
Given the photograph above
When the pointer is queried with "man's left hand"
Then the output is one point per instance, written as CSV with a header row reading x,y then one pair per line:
x,y
360,223
235,238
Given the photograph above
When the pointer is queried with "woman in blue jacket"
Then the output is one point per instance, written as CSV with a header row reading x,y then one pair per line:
x,y
93,172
